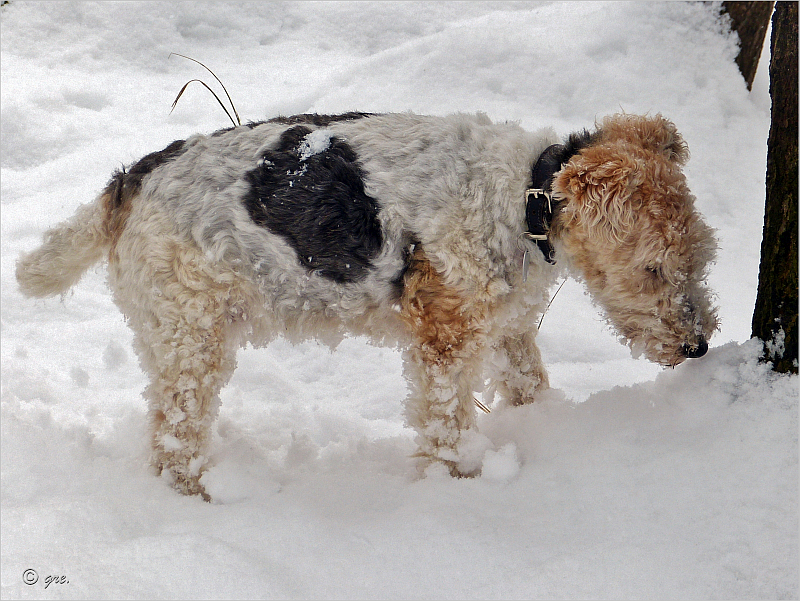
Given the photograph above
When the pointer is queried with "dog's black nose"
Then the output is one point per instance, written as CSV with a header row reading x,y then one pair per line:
x,y
693,352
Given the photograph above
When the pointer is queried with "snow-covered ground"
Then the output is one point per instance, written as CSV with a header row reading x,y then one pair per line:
x,y
627,481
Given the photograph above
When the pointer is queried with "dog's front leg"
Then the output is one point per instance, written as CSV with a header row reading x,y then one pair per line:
x,y
518,372
442,367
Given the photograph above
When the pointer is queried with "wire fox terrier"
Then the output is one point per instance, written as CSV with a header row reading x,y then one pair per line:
x,y
435,234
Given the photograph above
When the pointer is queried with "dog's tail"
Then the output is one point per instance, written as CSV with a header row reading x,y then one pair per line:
x,y
69,249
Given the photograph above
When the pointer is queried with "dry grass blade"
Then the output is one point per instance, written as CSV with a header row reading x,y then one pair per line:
x,y
480,405
186,85
220,83
538,327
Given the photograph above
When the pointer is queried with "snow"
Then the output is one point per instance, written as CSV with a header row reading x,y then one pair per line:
x,y
625,481
316,142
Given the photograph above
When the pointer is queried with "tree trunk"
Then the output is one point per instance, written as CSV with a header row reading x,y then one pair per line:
x,y
775,315
750,21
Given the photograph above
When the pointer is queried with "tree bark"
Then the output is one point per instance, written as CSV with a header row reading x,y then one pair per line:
x,y
750,21
775,315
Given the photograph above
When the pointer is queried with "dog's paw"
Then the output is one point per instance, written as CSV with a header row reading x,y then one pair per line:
x,y
458,472
191,486
464,459
186,484
186,480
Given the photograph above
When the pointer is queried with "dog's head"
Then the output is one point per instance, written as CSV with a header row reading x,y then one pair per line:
x,y
627,224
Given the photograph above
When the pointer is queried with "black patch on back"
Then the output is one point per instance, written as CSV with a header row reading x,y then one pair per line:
x,y
318,120
318,205
305,119
225,130
150,162
126,184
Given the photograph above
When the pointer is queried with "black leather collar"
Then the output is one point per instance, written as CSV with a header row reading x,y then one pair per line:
x,y
538,199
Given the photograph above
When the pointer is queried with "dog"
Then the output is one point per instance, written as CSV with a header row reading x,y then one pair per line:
x,y
440,235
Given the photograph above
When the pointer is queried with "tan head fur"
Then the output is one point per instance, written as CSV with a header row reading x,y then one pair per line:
x,y
628,226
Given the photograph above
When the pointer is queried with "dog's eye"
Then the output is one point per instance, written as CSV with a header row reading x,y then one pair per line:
x,y
653,270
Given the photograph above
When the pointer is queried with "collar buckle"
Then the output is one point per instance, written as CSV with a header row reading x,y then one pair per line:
x,y
539,211
536,192
531,236
539,199
541,222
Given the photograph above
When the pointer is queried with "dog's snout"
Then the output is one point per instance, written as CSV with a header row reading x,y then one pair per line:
x,y
693,352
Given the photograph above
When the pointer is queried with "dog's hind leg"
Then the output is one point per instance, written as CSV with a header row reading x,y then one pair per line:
x,y
191,361
181,307
442,366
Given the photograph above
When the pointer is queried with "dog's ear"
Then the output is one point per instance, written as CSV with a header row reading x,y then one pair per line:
x,y
656,134
601,188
